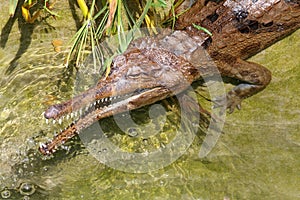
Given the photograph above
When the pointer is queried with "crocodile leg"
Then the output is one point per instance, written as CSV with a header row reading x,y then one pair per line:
x,y
253,78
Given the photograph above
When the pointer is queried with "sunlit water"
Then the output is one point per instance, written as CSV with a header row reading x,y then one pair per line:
x,y
257,157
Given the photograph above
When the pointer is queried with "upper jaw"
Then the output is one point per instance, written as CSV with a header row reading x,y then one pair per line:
x,y
98,97
78,103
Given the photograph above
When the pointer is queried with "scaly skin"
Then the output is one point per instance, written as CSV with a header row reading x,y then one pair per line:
x,y
156,68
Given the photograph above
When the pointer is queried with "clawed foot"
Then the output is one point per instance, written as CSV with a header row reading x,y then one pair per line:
x,y
230,101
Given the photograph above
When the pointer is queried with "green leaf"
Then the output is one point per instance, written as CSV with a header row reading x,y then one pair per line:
x,y
202,29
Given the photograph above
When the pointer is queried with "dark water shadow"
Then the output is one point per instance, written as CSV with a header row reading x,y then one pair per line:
x,y
27,29
72,6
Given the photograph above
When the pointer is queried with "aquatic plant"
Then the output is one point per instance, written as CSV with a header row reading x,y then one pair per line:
x,y
101,19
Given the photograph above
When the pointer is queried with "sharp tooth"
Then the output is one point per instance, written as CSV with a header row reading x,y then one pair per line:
x,y
42,145
59,120
54,121
102,100
68,116
114,97
80,112
75,114
72,115
110,98
95,103
47,121
86,108
98,101
105,99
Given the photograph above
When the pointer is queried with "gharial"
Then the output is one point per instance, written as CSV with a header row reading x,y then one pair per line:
x,y
148,71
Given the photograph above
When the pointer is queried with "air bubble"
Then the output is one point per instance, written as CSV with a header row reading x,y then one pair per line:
x,y
26,198
27,189
132,132
145,141
5,194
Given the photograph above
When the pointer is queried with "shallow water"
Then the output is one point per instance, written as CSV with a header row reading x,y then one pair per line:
x,y
257,157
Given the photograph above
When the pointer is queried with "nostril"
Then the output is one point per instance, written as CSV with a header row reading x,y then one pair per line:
x,y
51,112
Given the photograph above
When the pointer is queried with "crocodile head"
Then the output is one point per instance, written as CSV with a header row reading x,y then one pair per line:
x,y
132,74
138,77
